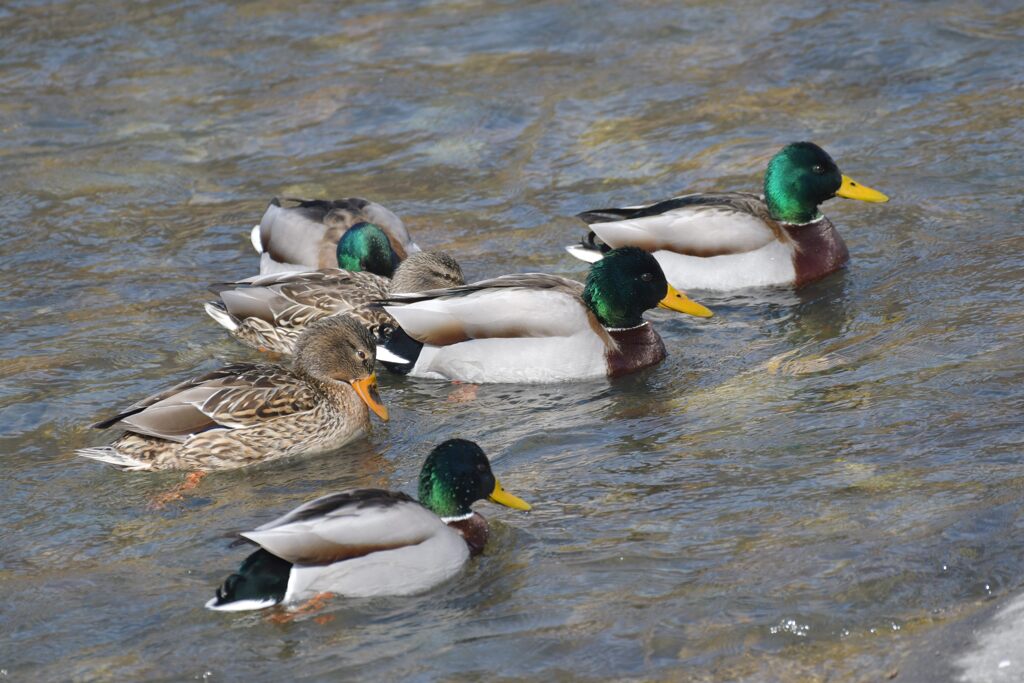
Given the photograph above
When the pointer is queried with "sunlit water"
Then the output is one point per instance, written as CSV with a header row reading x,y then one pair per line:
x,y
810,484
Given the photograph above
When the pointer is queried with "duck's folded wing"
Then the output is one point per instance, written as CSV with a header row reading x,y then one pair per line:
x,y
528,305
295,299
235,396
696,224
293,234
344,525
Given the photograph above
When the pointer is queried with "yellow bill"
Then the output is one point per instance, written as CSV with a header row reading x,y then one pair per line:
x,y
851,189
677,301
503,497
367,390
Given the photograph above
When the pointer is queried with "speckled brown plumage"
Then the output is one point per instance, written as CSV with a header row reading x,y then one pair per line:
x,y
270,312
245,413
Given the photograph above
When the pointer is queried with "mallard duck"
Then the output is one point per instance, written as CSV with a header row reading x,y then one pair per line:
x,y
536,327
371,542
305,236
732,240
269,312
246,413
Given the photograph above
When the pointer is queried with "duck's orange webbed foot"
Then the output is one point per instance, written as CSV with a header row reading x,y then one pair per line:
x,y
463,393
314,604
159,502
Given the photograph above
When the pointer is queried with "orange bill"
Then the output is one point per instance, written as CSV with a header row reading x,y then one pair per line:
x,y
367,390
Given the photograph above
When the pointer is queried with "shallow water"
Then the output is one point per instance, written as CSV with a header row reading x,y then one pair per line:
x,y
806,488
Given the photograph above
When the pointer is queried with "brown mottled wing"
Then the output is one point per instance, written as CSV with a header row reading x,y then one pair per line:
x,y
233,397
297,299
345,525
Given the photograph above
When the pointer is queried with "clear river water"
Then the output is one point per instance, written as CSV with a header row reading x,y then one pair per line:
x,y
808,488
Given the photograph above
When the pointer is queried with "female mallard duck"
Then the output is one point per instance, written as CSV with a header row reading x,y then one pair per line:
x,y
246,413
536,327
731,240
306,236
371,542
269,312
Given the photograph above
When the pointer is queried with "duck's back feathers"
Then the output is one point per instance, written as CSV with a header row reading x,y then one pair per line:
x,y
515,328
305,235
511,306
235,396
703,225
271,311
296,299
343,526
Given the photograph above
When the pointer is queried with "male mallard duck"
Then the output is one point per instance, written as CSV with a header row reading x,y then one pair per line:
x,y
537,327
269,312
305,236
731,240
371,542
246,413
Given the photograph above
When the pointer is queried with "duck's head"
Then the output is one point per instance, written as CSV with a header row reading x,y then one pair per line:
x,y
455,475
802,176
365,247
340,349
425,270
627,282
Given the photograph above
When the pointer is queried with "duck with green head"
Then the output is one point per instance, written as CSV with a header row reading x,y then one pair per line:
x,y
269,312
536,327
734,240
303,234
371,542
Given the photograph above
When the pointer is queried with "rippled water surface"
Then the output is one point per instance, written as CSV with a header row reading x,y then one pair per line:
x,y
807,487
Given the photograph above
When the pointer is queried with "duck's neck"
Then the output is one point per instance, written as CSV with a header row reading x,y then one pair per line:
x,y
613,312
786,201
473,528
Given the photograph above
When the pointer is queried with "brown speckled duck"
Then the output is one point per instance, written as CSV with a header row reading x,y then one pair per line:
x,y
269,312
246,413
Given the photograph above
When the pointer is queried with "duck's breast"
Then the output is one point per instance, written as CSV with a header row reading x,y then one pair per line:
x,y
638,348
820,250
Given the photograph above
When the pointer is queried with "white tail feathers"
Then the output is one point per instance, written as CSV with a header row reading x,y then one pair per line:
x,y
386,356
585,253
254,237
218,313
111,456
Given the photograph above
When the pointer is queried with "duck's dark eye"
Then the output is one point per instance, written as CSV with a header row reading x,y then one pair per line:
x,y
362,355
647,277
480,467
818,168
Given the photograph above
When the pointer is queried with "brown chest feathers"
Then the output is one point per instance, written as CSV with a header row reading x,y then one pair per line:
x,y
639,347
820,250
473,530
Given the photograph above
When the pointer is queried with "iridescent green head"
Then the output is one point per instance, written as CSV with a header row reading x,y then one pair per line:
x,y
455,475
627,282
365,247
802,176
